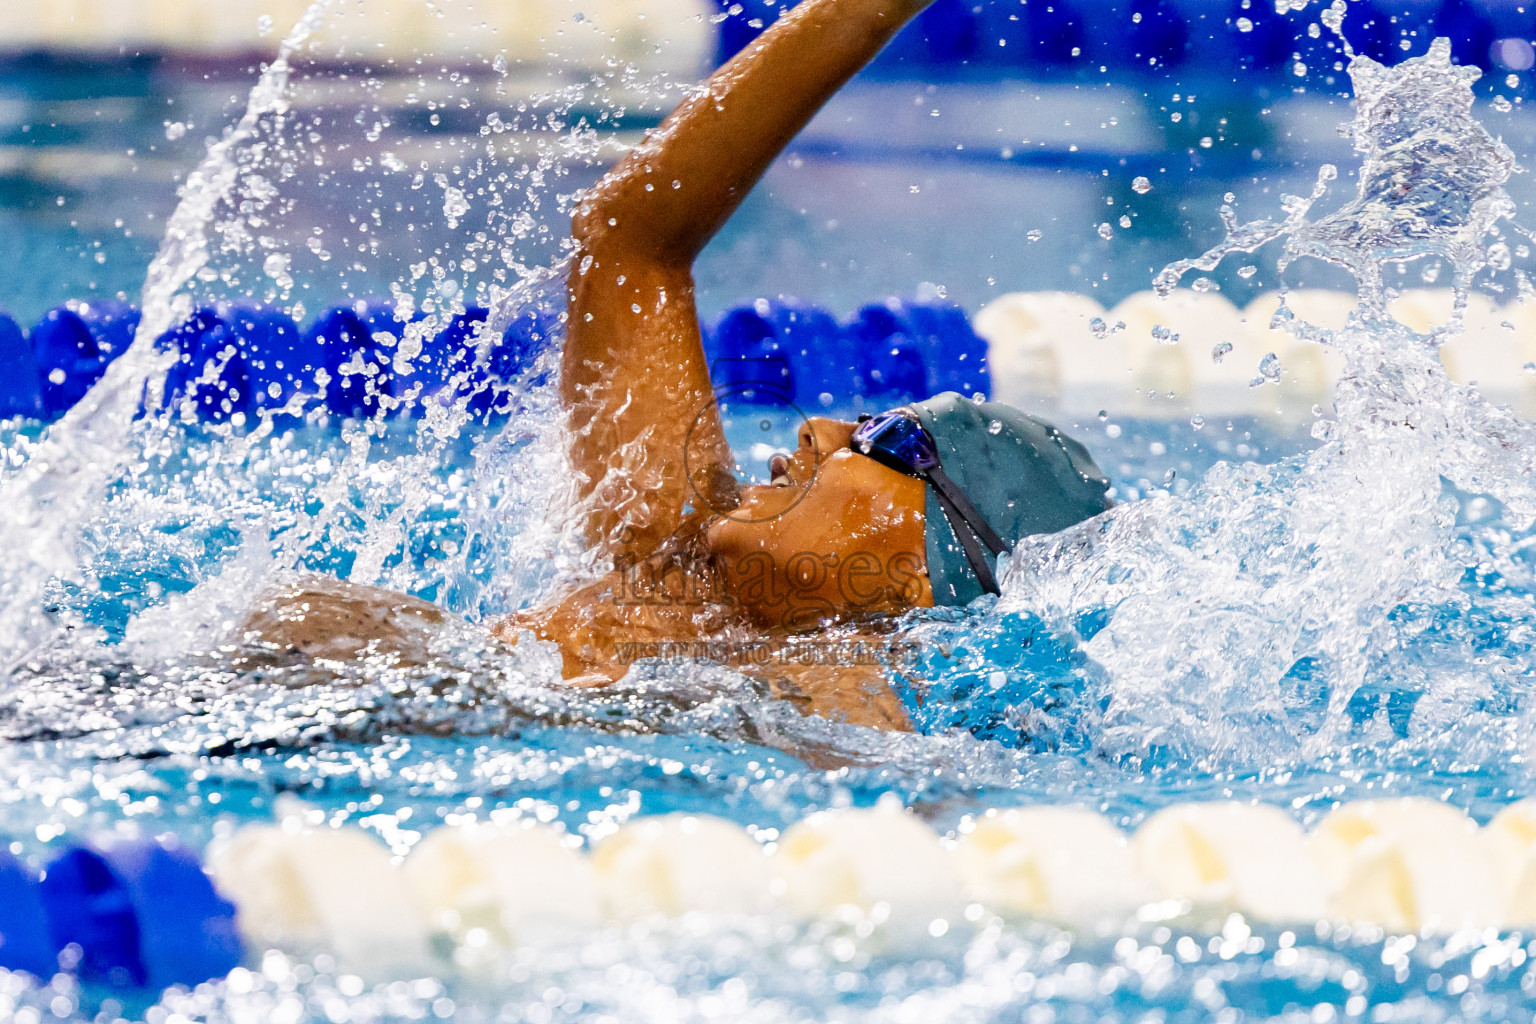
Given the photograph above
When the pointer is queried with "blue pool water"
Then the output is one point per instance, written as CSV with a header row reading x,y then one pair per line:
x,y
1302,613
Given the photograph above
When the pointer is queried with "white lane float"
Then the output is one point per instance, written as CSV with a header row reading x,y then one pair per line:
x,y
488,885
1494,347
1221,857
1040,343
1042,351
1511,842
879,876
680,863
1171,340
1063,864
672,36
1407,864
309,889
879,870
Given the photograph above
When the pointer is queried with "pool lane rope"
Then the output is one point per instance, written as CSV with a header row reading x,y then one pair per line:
x,y
1190,353
146,914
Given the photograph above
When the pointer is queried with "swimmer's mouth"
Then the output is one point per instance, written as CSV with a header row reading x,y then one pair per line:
x,y
778,472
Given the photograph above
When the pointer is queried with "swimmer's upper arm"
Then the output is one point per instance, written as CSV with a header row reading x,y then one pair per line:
x,y
634,376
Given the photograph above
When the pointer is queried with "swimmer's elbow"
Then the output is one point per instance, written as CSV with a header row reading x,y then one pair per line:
x,y
600,222
585,221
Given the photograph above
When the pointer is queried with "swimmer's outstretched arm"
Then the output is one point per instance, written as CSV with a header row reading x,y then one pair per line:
x,y
634,377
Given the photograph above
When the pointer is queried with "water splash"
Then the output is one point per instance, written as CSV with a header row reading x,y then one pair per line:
x,y
1238,624
1431,183
64,482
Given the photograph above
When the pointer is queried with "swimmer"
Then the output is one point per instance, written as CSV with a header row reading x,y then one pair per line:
x,y
798,582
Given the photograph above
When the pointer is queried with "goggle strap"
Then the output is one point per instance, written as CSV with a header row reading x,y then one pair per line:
x,y
974,519
968,542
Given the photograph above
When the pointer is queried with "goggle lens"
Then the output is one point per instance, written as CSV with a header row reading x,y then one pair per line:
x,y
896,440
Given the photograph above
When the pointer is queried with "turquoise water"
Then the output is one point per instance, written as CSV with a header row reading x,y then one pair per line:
x,y
1302,613
197,751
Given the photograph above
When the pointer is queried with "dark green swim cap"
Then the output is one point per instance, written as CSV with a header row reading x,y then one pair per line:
x,y
1023,475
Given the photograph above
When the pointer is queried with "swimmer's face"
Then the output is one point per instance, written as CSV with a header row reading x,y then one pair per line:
x,y
835,535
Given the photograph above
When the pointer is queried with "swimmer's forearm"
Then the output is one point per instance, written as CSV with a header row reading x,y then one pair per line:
x,y
669,197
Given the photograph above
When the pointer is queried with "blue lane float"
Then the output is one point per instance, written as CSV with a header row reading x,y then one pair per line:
x,y
141,914
889,352
25,943
445,368
235,363
1136,37
72,347
19,385
345,339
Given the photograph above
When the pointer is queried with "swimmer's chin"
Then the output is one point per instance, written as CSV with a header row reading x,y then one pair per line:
x,y
758,505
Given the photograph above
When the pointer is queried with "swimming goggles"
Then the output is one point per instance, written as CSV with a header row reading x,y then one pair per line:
x,y
896,439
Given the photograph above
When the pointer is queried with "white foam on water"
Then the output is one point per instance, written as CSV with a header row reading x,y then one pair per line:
x,y
1215,598
64,483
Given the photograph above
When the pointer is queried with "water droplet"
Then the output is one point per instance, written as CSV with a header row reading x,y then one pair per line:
x,y
1197,421
1270,367
1245,24
1125,220
1141,186
1220,351
1034,234
264,27
1169,477
1246,271
1164,335
995,427
1204,284
1176,116
1105,231
1098,327
1501,105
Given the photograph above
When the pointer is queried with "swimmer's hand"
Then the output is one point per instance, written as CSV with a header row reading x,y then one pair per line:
x,y
327,619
